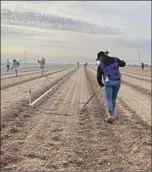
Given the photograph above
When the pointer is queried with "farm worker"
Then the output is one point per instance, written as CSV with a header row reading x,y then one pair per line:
x,y
42,65
85,65
8,65
16,65
77,64
109,69
142,66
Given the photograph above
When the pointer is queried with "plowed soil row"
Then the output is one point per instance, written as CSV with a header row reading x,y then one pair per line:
x,y
137,77
58,134
20,80
15,98
23,74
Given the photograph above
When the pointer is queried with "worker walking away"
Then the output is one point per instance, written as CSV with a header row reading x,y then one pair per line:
x,y
42,65
77,65
85,65
109,69
142,66
8,65
16,65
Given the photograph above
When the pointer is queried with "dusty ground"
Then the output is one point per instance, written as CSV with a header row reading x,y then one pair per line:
x,y
10,80
58,134
17,95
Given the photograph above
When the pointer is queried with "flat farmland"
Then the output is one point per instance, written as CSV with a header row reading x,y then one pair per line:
x,y
57,133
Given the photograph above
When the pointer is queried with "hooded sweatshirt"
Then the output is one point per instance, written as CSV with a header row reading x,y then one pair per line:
x,y
108,67
16,65
42,63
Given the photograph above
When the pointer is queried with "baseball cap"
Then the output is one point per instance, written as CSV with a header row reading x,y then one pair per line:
x,y
101,53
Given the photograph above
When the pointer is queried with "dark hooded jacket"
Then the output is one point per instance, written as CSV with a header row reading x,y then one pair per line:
x,y
106,60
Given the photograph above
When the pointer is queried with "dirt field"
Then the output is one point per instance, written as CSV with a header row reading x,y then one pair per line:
x,y
59,134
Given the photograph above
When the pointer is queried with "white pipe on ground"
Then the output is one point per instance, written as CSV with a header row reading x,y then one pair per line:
x,y
39,98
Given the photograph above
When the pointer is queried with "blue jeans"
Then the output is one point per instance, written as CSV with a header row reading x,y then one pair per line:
x,y
111,89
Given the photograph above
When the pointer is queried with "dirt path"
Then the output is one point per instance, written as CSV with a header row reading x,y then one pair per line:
x,y
58,134
140,103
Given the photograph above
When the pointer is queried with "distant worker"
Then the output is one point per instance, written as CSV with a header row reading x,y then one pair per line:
x,y
8,65
77,65
42,65
85,65
142,66
16,65
109,69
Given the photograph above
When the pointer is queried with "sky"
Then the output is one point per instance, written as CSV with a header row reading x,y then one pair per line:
x,y
71,31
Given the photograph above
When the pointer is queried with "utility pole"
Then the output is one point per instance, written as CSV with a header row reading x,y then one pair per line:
x,y
25,56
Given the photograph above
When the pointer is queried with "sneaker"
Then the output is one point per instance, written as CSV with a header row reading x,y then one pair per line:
x,y
113,118
110,119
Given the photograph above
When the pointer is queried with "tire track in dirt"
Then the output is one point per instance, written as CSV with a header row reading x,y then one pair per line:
x,y
30,79
133,135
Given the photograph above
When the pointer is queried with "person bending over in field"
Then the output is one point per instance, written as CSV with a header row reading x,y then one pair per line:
x,y
142,66
109,69
16,65
42,65
85,65
78,65
8,65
